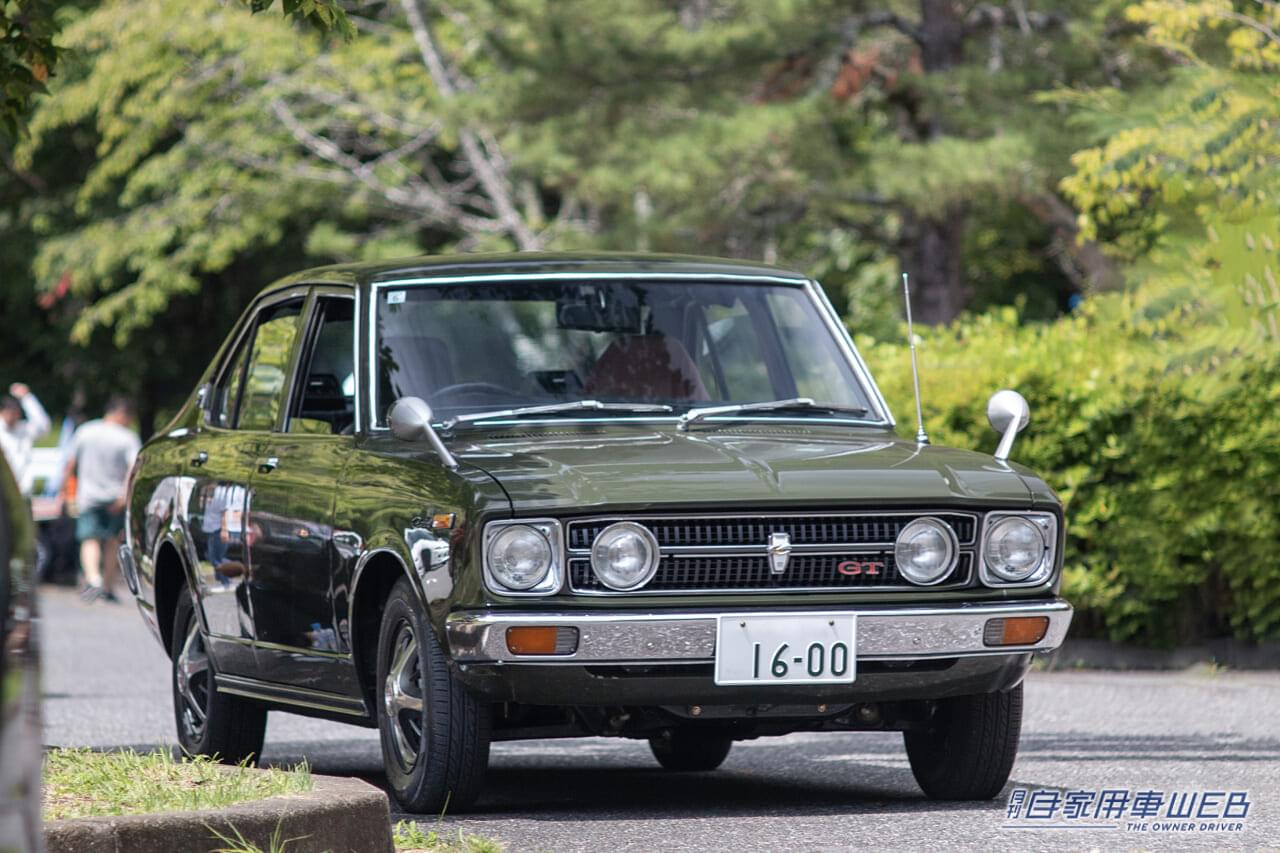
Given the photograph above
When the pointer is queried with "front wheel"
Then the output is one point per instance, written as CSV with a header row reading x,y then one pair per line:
x,y
210,723
690,749
435,735
968,750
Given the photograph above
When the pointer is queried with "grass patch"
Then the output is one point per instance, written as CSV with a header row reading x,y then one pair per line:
x,y
84,783
412,838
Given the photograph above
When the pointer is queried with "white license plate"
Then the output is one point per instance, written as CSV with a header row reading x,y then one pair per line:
x,y
785,648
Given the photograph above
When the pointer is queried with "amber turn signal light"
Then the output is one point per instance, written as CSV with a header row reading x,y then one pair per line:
x,y
1015,631
542,640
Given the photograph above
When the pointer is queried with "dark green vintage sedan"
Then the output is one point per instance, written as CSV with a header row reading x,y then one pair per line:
x,y
497,497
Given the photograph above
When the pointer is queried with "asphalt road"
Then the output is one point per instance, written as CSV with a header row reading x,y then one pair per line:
x,y
106,686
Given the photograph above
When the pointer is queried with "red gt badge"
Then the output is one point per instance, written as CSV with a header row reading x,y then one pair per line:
x,y
855,568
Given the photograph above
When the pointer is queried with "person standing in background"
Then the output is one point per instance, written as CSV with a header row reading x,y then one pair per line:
x,y
102,453
19,435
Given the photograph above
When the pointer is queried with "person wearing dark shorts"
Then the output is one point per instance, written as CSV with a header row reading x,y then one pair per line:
x,y
102,453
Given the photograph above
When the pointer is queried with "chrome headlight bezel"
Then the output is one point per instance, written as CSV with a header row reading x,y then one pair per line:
x,y
550,530
949,538
650,542
1046,524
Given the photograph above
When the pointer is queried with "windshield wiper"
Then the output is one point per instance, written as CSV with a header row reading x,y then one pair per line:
x,y
694,415
553,408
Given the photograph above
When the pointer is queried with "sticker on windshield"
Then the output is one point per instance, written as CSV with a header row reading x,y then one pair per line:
x,y
395,297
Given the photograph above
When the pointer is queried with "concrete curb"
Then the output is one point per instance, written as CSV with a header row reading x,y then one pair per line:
x,y
338,815
1102,654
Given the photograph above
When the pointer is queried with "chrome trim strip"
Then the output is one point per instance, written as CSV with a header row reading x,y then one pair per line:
x,y
826,513
289,695
965,583
793,280
884,633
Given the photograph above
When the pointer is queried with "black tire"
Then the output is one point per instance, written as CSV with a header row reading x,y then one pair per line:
x,y
689,749
438,758
968,752
233,728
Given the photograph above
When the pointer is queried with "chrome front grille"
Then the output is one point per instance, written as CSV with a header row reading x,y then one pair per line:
x,y
729,553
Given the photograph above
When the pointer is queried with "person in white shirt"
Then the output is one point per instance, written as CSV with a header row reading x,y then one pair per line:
x,y
22,421
102,453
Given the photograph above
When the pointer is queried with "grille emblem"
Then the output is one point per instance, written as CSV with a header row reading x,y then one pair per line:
x,y
779,552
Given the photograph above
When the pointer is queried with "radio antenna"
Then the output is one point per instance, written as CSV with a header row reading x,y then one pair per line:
x,y
921,436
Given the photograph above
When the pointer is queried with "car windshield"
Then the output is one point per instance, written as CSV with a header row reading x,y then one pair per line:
x,y
471,348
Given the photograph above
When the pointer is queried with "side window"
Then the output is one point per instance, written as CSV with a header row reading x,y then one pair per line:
x,y
325,400
223,410
267,375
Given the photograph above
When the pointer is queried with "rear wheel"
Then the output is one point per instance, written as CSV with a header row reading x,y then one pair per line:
x,y
690,749
968,751
226,727
435,735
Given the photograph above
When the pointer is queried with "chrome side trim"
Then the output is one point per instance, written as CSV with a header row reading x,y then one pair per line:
x,y
884,633
288,695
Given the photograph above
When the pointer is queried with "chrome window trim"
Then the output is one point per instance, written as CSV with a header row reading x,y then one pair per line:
x,y
825,310
554,532
810,549
1051,554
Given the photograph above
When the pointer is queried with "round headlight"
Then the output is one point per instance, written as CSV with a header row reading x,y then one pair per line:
x,y
624,556
1015,548
925,552
519,557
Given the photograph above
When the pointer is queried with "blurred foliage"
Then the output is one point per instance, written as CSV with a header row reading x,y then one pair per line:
x,y
29,57
1153,416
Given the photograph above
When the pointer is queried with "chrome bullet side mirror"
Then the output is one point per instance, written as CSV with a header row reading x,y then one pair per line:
x,y
1009,414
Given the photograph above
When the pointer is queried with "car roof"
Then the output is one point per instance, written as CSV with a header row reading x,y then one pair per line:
x,y
524,263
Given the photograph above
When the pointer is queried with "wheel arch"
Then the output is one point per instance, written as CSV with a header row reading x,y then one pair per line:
x,y
170,579
376,573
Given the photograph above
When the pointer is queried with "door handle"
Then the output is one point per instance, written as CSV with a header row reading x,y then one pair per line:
x,y
200,458
266,466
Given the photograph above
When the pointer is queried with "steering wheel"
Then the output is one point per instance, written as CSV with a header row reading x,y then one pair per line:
x,y
463,393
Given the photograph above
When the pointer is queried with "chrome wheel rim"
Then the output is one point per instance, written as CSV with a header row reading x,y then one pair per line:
x,y
191,674
402,697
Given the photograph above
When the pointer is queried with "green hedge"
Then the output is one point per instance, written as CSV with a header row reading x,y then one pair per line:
x,y
1154,416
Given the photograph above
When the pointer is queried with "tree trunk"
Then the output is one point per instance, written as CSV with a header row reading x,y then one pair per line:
x,y
933,259
935,246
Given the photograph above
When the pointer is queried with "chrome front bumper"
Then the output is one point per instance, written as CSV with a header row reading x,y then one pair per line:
x,y
884,633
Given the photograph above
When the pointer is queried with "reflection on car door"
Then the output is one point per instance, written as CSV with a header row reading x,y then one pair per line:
x,y
300,636
221,462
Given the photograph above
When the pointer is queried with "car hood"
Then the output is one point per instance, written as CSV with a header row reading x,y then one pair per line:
x,y
638,467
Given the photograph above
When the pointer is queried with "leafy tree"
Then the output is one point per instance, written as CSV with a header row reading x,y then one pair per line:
x,y
28,55
780,129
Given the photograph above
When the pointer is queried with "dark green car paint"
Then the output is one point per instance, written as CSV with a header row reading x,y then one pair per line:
x,y
364,502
